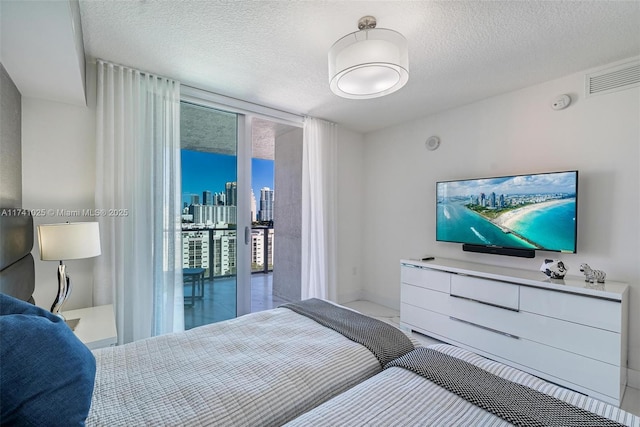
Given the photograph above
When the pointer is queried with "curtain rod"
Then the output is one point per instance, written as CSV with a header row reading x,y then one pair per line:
x,y
242,106
188,91
146,73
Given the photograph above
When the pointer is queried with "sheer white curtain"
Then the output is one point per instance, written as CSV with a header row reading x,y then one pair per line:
x,y
319,209
138,201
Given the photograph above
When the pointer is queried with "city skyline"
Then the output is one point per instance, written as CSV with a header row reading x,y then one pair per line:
x,y
203,171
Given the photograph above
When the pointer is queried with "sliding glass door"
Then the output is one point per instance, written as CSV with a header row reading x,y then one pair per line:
x,y
230,216
214,214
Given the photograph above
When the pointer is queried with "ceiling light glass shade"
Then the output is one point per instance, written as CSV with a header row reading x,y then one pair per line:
x,y
368,63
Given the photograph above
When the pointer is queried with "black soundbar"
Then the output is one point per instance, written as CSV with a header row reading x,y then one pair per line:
x,y
496,250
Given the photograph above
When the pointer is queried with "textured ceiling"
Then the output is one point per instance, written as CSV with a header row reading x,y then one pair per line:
x,y
210,130
274,53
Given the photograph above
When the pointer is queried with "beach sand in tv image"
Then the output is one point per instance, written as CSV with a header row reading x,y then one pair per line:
x,y
535,211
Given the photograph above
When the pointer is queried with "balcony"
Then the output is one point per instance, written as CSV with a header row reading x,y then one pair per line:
x,y
214,249
219,300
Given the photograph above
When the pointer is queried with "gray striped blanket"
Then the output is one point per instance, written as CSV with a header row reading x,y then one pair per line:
x,y
515,403
401,398
383,340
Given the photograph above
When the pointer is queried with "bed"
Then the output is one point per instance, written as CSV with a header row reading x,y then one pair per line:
x,y
264,368
17,276
400,396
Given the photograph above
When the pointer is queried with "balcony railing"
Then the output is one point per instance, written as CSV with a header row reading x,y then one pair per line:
x,y
215,249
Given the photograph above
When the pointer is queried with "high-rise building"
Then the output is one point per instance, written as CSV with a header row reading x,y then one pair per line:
x,y
266,204
198,214
195,199
195,249
258,247
231,192
207,198
212,215
224,252
254,207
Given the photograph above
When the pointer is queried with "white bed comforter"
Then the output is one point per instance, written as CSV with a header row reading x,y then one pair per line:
x,y
264,369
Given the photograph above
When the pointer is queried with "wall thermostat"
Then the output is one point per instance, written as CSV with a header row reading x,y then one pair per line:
x,y
432,143
561,102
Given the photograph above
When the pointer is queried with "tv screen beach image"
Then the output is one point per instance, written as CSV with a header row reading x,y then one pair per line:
x,y
535,211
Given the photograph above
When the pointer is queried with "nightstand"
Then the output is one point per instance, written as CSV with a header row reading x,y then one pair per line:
x,y
96,327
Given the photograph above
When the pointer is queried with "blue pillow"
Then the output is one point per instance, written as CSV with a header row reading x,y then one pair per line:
x,y
46,372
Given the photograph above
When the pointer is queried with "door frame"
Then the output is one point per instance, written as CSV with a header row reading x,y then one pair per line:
x,y
245,111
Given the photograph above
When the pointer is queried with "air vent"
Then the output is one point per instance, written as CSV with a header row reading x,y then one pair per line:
x,y
624,76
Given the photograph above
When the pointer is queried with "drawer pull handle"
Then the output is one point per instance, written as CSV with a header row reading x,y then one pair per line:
x,y
486,303
414,266
484,327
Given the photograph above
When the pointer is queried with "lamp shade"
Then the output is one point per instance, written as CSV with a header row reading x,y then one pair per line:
x,y
368,64
75,240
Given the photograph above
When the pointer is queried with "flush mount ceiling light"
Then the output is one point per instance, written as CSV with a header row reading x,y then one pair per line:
x,y
369,63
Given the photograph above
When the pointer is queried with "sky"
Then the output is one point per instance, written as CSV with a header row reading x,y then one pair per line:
x,y
557,182
210,171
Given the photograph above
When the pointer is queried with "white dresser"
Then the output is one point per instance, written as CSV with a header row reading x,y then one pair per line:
x,y
566,331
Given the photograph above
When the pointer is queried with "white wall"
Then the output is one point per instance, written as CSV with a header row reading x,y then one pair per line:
x,y
58,174
517,132
350,214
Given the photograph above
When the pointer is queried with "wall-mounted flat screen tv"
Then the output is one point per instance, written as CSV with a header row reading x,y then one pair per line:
x,y
521,212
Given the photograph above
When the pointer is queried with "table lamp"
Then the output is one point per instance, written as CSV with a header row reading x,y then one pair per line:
x,y
67,241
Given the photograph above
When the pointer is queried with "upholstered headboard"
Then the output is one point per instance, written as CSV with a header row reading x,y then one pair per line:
x,y
17,273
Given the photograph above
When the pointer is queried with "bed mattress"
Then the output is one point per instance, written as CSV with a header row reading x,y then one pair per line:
x,y
399,397
263,369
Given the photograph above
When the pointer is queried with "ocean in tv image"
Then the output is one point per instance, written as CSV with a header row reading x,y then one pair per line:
x,y
527,211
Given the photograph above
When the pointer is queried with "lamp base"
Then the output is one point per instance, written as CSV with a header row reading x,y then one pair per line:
x,y
64,290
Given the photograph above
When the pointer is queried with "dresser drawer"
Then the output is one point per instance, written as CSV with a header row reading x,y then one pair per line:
x,y
487,291
598,313
425,278
489,316
423,298
548,362
541,329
